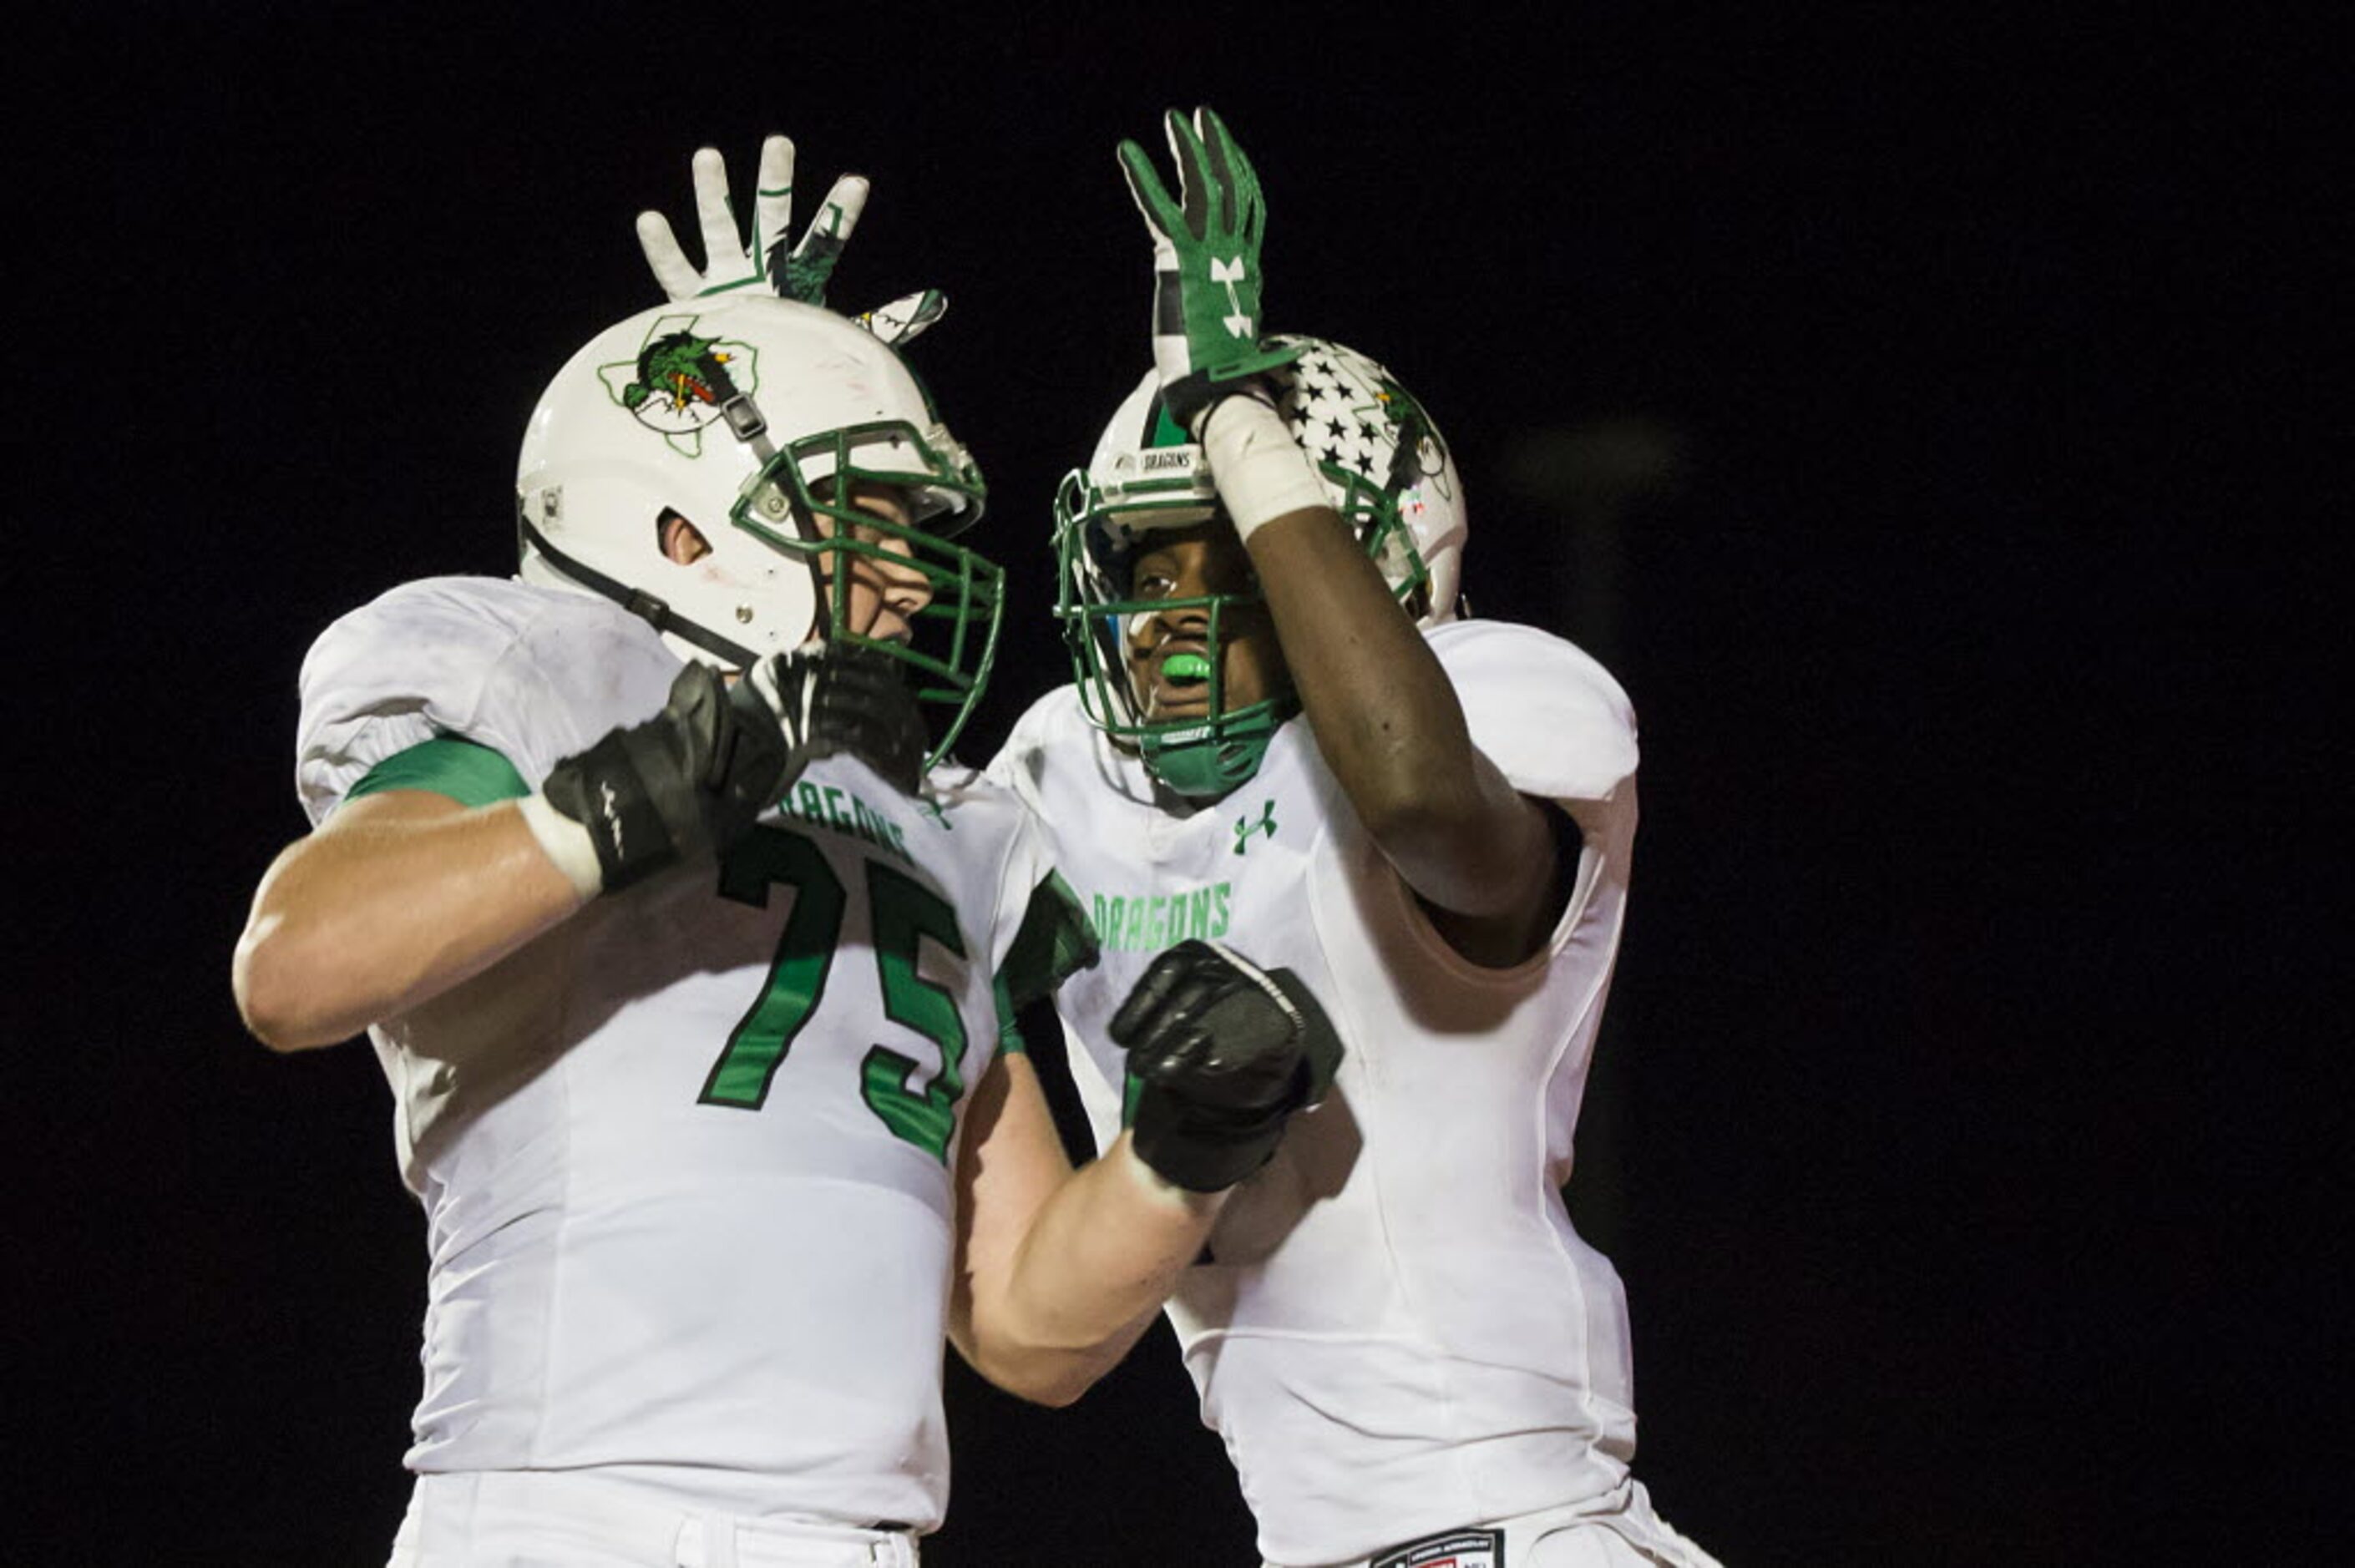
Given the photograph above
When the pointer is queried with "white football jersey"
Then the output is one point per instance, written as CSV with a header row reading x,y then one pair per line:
x,y
685,1161
1396,1329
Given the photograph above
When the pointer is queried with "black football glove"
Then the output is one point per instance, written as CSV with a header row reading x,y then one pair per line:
x,y
839,699
687,781
1227,1053
692,779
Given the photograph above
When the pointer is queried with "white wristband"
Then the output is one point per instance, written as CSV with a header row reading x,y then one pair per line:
x,y
1261,472
566,843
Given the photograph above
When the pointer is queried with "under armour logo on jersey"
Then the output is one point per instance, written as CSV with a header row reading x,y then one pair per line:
x,y
1245,826
1230,273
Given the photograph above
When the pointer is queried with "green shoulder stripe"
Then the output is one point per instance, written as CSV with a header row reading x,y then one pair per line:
x,y
469,773
1055,942
1009,1033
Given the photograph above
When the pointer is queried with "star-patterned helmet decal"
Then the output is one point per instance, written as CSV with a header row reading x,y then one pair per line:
x,y
1379,452
1347,415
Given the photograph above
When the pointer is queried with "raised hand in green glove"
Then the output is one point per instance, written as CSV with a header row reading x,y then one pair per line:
x,y
1206,263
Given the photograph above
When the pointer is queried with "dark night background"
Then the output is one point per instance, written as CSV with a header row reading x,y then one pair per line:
x,y
1879,394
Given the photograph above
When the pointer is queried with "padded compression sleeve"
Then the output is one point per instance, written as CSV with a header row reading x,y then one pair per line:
x,y
1261,472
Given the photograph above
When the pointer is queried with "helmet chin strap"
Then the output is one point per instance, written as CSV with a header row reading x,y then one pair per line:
x,y
637,601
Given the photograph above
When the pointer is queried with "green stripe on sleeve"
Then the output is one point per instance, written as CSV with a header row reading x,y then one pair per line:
x,y
467,772
1010,1033
1055,942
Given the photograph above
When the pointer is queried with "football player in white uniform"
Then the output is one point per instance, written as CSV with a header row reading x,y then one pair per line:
x,y
689,975
1283,733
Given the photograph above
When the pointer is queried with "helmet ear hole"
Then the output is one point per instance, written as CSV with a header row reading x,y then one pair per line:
x,y
681,542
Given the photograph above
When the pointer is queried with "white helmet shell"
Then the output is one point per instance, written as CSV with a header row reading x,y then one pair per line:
x,y
689,410
1386,468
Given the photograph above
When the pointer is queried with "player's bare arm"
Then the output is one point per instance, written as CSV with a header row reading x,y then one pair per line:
x,y
395,899
1389,726
402,895
1479,855
1058,1272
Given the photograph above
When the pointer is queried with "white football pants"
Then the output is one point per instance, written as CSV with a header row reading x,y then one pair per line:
x,y
1617,1530
547,1519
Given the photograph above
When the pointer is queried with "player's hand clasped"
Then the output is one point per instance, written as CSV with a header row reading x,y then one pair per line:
x,y
1227,1052
692,779
838,699
1206,261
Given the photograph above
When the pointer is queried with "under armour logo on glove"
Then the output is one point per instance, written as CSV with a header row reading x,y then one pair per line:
x,y
685,782
1230,273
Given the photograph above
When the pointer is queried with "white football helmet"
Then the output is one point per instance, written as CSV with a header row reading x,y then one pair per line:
x,y
1386,469
747,416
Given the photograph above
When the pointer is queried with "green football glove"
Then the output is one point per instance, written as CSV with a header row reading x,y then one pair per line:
x,y
1206,263
771,260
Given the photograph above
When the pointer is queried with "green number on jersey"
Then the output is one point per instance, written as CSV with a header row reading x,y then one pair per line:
x,y
757,1046
901,911
904,909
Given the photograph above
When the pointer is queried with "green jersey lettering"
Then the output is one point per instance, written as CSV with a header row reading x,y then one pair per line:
x,y
1149,922
832,809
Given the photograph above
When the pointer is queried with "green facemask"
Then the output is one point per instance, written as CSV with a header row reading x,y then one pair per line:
x,y
1208,763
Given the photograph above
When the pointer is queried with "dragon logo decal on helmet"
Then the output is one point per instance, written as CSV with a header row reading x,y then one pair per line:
x,y
753,418
667,386
1386,469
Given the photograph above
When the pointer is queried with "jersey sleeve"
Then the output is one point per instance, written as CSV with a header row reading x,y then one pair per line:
x,y
1055,941
1548,716
1016,766
484,661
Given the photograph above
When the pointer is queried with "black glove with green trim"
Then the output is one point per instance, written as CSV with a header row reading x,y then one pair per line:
x,y
1226,1052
